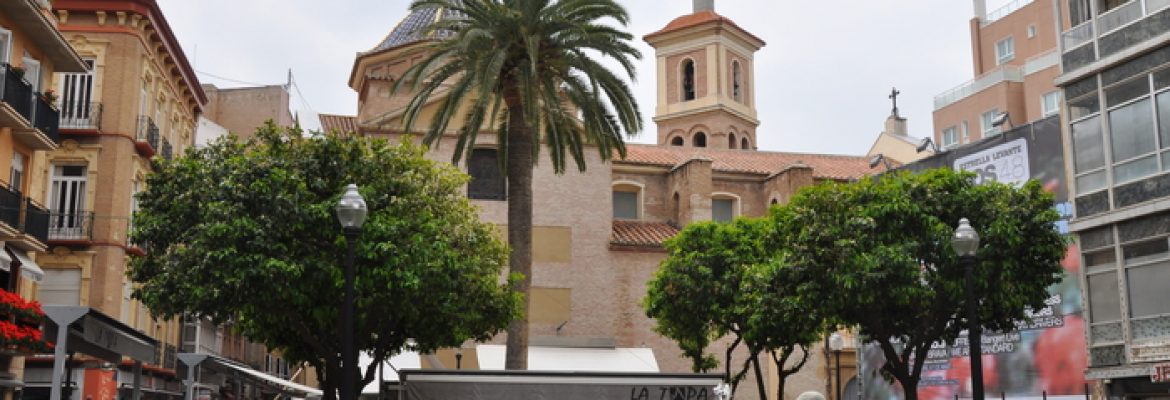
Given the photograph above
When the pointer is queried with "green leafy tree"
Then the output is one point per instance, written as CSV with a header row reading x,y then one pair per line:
x,y
529,70
247,232
878,254
730,278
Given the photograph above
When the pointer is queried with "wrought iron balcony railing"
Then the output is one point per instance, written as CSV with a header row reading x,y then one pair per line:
x,y
36,220
10,206
47,119
81,115
16,92
71,226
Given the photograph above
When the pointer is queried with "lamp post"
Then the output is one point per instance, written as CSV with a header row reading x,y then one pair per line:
x,y
351,212
836,343
966,242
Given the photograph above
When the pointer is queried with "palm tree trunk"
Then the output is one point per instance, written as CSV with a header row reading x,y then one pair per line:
x,y
519,164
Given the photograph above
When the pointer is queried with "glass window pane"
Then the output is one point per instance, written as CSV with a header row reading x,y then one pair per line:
x,y
625,205
722,209
1161,78
1100,260
1147,290
1135,169
1090,182
1126,91
1131,130
1146,251
1087,145
1104,300
1084,106
1164,118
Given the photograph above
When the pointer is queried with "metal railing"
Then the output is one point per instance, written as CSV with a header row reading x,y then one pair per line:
x,y
16,92
1109,21
47,120
36,220
1119,16
1077,36
10,206
1001,12
81,115
147,131
1010,73
71,226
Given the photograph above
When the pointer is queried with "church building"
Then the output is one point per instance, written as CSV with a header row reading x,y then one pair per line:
x,y
598,234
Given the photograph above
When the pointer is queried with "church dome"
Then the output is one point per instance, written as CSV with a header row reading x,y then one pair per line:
x,y
413,28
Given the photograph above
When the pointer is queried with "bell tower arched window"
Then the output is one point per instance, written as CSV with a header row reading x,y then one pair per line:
x,y
700,139
736,81
688,80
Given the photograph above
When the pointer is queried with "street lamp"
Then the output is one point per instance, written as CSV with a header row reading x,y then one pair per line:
x,y
966,242
836,343
351,211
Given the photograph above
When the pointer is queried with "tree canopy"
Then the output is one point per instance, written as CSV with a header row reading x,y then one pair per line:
x,y
530,71
733,278
246,232
878,254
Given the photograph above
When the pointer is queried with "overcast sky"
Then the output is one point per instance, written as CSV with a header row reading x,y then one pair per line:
x,y
822,79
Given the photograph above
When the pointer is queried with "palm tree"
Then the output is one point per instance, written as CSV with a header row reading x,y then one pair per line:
x,y
528,70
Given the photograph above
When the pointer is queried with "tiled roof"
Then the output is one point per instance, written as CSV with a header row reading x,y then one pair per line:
x,y
825,166
342,123
413,27
697,19
641,233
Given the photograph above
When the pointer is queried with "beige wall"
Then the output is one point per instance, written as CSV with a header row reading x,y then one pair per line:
x,y
242,110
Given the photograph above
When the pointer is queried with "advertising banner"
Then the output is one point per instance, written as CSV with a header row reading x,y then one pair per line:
x,y
1046,354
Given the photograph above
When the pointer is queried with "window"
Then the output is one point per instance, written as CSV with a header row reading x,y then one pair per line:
x,y
700,139
61,287
744,144
627,202
1031,31
987,120
950,137
1088,155
688,80
32,73
724,207
76,97
487,180
16,178
1005,50
731,141
1131,132
964,132
1050,103
5,44
67,200
736,81
677,141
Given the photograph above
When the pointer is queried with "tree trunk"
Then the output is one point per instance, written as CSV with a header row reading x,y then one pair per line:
x,y
519,164
760,386
910,387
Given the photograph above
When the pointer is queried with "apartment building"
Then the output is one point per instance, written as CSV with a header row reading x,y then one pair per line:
x,y
1014,61
31,51
1115,80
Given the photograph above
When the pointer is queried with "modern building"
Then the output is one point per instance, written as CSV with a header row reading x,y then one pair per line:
x,y
31,51
1014,60
1116,71
598,234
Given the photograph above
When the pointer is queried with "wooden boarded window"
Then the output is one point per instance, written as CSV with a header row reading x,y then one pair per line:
x,y
487,181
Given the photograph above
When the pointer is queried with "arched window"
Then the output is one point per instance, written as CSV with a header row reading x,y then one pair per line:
x,y
700,139
745,145
688,80
731,141
736,81
677,141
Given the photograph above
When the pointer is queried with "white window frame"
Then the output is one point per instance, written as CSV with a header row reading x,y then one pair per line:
x,y
986,124
1031,31
16,175
1044,108
1006,53
639,208
68,218
964,132
736,204
32,72
5,45
953,133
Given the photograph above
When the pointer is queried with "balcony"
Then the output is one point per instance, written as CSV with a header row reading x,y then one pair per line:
x,y
81,115
17,96
10,210
1004,11
147,136
36,220
71,226
1005,73
46,119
